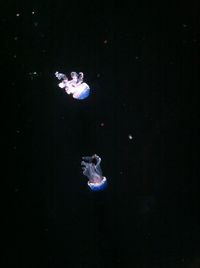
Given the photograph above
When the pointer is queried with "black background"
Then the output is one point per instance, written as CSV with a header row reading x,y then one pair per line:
x,y
141,62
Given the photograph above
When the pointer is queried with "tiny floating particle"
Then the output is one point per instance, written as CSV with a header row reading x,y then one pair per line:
x,y
33,75
130,137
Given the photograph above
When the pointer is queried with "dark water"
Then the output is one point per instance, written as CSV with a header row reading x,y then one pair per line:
x,y
141,118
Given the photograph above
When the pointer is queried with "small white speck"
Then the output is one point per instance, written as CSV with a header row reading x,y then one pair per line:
x,y
18,131
36,23
15,38
184,25
17,15
33,12
33,75
137,58
130,137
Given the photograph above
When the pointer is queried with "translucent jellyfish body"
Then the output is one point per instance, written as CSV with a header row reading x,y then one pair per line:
x,y
92,170
75,86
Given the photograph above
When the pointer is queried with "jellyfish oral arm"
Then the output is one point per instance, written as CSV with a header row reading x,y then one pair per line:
x,y
63,84
98,159
70,89
87,158
60,76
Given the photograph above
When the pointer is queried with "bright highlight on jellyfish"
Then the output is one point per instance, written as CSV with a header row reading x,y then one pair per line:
x,y
75,86
92,170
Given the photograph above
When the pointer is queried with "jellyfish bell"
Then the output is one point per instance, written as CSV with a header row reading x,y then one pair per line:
x,y
98,185
81,92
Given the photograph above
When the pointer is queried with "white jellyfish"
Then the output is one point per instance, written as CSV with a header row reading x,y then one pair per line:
x,y
92,170
75,86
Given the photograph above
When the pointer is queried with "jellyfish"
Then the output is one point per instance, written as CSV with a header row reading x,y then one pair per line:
x,y
92,170
75,86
